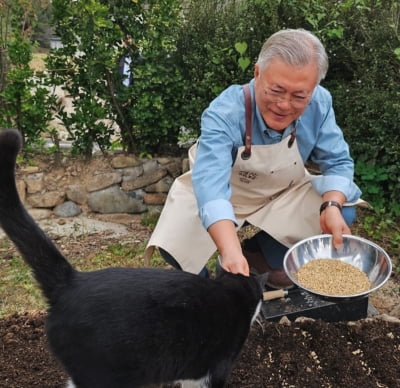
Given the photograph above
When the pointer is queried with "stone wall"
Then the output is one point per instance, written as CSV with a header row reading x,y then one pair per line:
x,y
115,184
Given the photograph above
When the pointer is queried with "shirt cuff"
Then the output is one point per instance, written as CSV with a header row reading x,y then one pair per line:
x,y
325,183
216,210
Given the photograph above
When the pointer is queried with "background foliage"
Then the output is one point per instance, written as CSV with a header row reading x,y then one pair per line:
x,y
97,35
183,54
24,99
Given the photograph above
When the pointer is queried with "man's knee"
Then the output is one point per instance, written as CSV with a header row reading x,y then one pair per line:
x,y
349,214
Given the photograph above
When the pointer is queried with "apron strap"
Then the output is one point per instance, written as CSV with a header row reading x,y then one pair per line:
x,y
247,137
292,137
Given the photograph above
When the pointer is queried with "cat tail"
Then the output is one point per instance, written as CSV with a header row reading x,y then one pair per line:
x,y
51,269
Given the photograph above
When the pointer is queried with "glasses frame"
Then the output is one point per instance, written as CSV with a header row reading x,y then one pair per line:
x,y
279,97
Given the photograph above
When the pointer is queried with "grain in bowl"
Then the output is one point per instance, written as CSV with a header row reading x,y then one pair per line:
x,y
333,277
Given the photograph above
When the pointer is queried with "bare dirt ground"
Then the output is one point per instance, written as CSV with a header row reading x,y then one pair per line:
x,y
301,354
310,354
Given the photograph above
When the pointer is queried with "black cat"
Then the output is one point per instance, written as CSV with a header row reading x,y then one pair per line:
x,y
127,327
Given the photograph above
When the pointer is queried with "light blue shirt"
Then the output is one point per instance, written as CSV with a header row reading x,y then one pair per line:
x,y
319,139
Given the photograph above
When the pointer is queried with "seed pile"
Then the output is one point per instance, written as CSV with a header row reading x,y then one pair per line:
x,y
333,277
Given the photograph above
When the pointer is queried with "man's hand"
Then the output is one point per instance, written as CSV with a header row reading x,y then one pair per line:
x,y
235,265
224,234
331,219
332,222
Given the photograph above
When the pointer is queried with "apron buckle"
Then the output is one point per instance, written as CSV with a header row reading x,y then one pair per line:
x,y
246,154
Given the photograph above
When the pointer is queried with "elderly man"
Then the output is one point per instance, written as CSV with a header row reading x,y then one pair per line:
x,y
249,168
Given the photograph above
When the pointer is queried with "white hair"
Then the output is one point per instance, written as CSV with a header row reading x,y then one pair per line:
x,y
295,47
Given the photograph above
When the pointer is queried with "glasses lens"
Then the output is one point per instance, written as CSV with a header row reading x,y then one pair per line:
x,y
297,103
277,97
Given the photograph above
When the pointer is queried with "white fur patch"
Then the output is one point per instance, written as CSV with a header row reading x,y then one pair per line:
x,y
204,382
201,383
256,312
70,384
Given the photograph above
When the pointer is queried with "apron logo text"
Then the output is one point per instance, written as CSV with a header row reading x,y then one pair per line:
x,y
247,176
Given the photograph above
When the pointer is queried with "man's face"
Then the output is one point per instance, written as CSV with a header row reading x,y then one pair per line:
x,y
283,92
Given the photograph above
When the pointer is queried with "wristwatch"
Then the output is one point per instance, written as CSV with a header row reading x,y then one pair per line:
x,y
329,203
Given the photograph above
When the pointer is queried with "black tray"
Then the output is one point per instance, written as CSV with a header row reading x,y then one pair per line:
x,y
300,303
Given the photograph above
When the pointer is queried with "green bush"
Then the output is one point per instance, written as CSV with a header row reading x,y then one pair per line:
x,y
96,35
364,79
25,102
158,89
209,60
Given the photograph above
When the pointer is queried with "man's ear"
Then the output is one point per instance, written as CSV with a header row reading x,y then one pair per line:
x,y
256,70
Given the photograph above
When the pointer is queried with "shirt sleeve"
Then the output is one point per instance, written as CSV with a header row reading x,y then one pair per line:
x,y
221,127
328,148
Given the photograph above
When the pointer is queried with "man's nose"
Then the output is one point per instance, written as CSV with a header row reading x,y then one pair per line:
x,y
284,103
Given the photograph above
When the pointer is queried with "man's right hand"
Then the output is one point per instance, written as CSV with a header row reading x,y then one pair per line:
x,y
224,234
235,265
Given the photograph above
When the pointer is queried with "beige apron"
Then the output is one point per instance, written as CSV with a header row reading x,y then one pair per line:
x,y
271,190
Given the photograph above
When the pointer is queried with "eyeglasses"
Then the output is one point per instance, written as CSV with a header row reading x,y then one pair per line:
x,y
275,96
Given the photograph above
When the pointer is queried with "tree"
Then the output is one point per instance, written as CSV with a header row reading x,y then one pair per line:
x,y
24,100
96,35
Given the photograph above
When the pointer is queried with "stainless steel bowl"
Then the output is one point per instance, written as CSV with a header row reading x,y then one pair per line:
x,y
360,252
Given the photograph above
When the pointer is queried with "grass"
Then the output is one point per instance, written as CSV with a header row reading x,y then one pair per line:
x,y
19,291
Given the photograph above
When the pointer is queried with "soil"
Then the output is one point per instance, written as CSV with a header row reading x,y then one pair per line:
x,y
302,354
309,354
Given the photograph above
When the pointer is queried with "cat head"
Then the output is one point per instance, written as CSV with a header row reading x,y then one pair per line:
x,y
260,279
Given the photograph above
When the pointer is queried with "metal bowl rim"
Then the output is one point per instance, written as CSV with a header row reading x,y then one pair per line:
x,y
339,297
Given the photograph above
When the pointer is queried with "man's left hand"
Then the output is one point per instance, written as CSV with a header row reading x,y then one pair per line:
x,y
332,222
